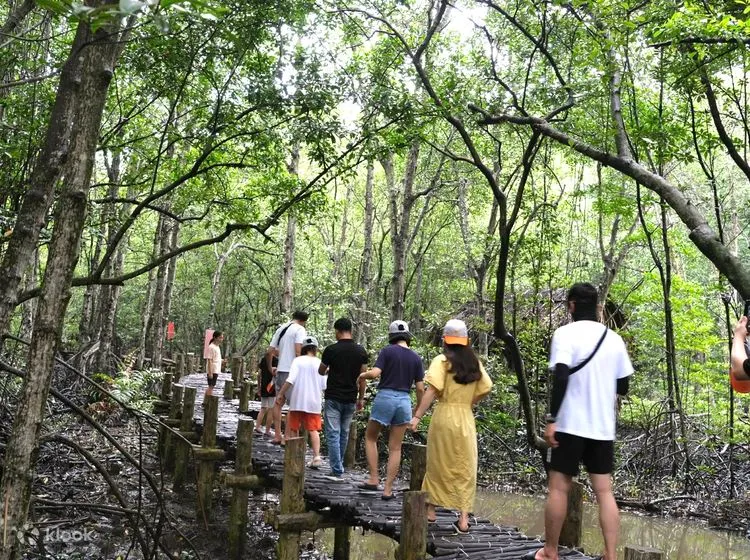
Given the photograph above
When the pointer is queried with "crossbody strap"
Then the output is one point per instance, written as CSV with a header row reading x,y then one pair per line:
x,y
282,333
587,360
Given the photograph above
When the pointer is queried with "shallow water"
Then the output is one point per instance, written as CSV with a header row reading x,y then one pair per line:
x,y
679,539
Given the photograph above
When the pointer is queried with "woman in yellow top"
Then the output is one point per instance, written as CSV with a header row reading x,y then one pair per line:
x,y
458,380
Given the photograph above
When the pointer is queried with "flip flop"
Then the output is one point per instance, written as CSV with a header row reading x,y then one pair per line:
x,y
531,555
277,442
432,520
367,486
461,532
388,498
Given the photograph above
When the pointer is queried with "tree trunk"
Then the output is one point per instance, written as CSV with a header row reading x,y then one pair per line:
x,y
400,203
110,294
39,192
362,326
97,62
157,333
145,346
287,283
88,323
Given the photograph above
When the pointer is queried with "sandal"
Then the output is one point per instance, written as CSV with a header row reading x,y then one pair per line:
x,y
388,497
457,527
315,463
367,486
531,555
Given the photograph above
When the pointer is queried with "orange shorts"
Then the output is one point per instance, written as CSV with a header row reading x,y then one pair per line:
x,y
310,421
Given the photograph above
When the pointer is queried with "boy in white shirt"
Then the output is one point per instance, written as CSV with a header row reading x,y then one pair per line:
x,y
306,401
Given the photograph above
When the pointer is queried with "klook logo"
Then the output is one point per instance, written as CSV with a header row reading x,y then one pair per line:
x,y
71,537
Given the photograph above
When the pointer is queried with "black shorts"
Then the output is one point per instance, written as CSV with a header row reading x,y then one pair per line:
x,y
598,456
212,379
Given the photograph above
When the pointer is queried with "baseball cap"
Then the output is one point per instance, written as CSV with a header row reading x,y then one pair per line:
x,y
398,329
309,341
455,332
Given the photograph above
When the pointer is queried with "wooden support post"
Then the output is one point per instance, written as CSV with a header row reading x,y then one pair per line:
x,y
572,529
413,541
350,455
179,366
292,495
418,465
245,397
190,362
643,553
342,543
228,390
166,386
237,367
238,509
205,464
174,415
182,449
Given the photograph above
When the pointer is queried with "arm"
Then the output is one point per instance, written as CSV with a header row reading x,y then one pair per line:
x,y
425,402
559,386
297,348
281,397
270,353
361,386
738,356
322,369
419,385
373,373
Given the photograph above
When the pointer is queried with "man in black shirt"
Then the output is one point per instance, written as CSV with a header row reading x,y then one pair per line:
x,y
739,357
342,362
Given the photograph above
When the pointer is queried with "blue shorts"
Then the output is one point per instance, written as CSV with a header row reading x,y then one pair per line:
x,y
391,408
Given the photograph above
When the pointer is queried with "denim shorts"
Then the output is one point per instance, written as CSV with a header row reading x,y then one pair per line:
x,y
391,408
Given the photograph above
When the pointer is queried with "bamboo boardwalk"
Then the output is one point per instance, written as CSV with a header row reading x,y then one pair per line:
x,y
340,500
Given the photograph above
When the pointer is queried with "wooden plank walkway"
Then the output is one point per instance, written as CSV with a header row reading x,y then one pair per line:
x,y
342,500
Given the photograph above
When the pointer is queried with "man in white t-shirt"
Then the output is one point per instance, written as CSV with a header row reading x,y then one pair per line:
x,y
286,344
306,400
591,367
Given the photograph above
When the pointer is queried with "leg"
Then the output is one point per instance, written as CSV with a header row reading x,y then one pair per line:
x,y
269,420
431,513
394,456
609,515
554,512
332,427
259,421
277,422
346,414
371,450
315,442
463,520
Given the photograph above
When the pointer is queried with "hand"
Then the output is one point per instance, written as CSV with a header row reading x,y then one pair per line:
x,y
549,434
362,377
414,423
740,330
280,401
360,404
273,370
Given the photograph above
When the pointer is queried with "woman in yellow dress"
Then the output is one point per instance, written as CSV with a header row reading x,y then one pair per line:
x,y
457,380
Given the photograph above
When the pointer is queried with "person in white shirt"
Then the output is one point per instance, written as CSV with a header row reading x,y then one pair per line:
x,y
213,363
286,344
591,367
306,400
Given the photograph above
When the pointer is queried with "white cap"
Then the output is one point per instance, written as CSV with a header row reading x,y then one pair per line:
x,y
455,332
398,329
309,341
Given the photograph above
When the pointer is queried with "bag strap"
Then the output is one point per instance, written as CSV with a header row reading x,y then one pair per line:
x,y
281,335
587,360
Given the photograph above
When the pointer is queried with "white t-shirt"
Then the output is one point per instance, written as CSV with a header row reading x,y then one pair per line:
x,y
214,354
295,334
309,385
588,409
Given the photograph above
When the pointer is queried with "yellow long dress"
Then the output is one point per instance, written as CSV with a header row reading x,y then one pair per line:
x,y
451,477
